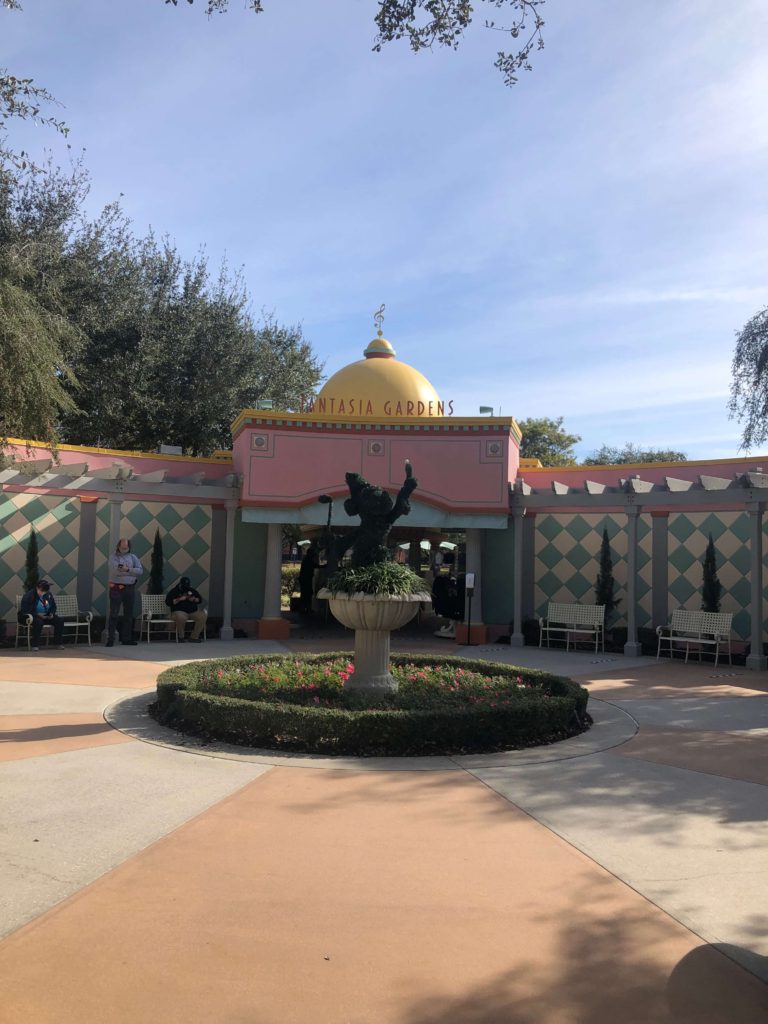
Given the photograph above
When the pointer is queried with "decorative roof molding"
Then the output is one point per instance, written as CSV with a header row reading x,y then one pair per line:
x,y
677,485
637,486
714,483
157,476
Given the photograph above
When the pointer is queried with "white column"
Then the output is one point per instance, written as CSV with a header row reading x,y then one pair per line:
x,y
227,632
272,581
474,564
632,649
517,639
756,660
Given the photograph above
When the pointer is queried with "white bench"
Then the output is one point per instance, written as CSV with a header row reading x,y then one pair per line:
x,y
75,621
704,632
569,621
156,618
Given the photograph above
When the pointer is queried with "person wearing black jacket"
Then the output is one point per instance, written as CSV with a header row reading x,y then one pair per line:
x,y
185,603
307,578
39,603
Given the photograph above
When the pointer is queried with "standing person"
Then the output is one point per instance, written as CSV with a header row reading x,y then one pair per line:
x,y
124,570
185,603
39,603
307,578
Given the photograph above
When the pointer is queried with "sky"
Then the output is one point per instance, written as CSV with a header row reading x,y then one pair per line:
x,y
584,245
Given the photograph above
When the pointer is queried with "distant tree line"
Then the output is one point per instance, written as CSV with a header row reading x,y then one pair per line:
x,y
547,440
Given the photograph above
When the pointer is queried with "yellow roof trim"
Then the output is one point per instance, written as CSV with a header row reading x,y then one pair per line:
x,y
215,458
625,466
263,416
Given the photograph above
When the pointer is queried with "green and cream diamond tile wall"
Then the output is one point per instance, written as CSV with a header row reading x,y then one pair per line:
x,y
185,531
568,561
688,536
100,576
57,524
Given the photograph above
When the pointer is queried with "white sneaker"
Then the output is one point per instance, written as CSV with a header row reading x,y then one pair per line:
x,y
60,647
35,648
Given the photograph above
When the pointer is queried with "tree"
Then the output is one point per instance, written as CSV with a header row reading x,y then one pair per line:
x,y
605,584
544,439
429,23
173,355
31,565
155,582
164,350
749,386
37,338
610,456
711,587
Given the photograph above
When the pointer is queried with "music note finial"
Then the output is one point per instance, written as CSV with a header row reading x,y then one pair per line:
x,y
378,319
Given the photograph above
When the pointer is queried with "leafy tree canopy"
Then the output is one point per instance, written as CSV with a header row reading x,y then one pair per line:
x,y
544,439
114,340
37,338
428,23
749,385
630,453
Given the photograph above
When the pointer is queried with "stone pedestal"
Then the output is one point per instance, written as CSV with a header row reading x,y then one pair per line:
x,y
373,617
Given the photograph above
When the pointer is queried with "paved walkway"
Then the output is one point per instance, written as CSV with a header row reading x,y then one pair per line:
x,y
617,877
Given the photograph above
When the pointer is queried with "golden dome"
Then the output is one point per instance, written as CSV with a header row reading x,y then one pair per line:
x,y
378,387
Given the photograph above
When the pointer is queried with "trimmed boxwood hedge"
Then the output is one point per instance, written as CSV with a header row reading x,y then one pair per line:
x,y
549,708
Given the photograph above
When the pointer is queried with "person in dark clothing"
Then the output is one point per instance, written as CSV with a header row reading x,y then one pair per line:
x,y
306,578
185,603
40,604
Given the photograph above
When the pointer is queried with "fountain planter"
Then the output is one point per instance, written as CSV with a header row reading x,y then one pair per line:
x,y
373,617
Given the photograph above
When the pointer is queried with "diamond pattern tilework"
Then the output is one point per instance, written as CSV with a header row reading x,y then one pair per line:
x,y
688,537
568,561
185,531
57,523
100,559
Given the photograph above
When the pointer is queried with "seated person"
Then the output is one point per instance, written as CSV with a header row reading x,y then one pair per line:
x,y
185,603
39,603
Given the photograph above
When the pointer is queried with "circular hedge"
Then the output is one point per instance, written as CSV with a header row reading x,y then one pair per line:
x,y
444,705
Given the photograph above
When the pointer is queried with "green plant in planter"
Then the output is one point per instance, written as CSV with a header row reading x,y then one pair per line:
x,y
390,578
302,702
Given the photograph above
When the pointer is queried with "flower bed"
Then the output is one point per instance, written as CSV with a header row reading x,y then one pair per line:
x,y
443,705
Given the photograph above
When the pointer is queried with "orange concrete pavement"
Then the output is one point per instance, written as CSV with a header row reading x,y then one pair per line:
x,y
355,898
347,897
35,735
